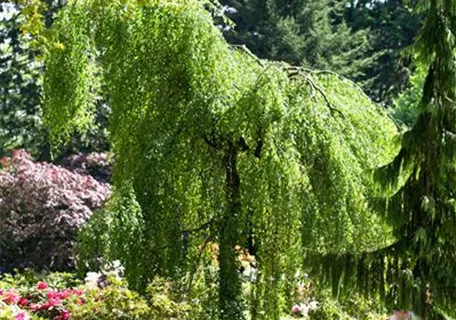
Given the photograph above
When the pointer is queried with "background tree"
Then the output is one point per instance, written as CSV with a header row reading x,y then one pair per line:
x,y
417,270
214,145
308,33
405,108
392,25
363,40
20,86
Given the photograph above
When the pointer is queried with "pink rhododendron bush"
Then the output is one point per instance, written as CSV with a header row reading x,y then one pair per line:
x,y
40,301
42,207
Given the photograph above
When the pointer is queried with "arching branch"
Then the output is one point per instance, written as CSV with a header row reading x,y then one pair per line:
x,y
317,88
295,71
249,53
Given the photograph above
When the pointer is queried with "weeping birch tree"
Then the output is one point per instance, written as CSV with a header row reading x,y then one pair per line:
x,y
214,145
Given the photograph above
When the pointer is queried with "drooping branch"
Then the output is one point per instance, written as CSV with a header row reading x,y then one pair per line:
x,y
296,71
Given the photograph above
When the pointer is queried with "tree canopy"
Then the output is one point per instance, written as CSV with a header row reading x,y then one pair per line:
x,y
214,144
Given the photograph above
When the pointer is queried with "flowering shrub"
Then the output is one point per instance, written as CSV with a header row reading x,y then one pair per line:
x,y
38,302
96,164
42,207
22,300
113,302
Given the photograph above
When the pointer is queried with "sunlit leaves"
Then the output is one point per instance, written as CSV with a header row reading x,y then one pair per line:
x,y
209,138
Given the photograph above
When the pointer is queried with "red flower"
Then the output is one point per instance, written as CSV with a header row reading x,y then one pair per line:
x,y
80,301
22,302
11,296
42,286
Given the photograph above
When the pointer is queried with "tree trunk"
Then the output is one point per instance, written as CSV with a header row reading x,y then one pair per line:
x,y
230,286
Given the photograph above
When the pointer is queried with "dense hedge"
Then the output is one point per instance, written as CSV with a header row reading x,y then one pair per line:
x,y
42,207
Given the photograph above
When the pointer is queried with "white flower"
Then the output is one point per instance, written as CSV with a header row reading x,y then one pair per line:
x,y
91,279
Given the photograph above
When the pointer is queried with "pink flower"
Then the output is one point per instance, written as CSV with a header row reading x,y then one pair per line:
x,y
22,315
62,295
11,296
77,292
296,309
66,293
42,286
51,303
34,307
64,315
53,294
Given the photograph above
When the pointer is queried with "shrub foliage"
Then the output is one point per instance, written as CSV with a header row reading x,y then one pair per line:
x,y
59,296
96,164
42,207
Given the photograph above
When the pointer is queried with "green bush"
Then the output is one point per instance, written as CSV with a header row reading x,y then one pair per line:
x,y
355,307
113,302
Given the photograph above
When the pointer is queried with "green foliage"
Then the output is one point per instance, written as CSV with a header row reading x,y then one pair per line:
x,y
392,26
113,302
214,145
19,86
115,233
361,39
416,192
29,278
117,302
355,307
163,302
405,108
